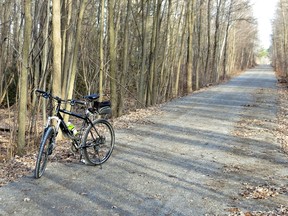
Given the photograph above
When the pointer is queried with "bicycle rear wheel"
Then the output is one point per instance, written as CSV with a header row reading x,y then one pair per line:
x,y
46,148
98,142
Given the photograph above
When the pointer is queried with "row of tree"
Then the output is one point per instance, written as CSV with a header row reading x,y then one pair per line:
x,y
279,49
149,50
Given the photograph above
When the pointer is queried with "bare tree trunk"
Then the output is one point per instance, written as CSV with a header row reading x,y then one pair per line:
x,y
285,37
113,63
101,51
216,42
207,62
165,54
125,61
151,90
145,18
57,44
22,113
71,83
175,87
199,45
190,18
225,66
67,39
45,57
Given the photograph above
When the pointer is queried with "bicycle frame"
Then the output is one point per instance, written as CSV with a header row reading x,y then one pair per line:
x,y
62,125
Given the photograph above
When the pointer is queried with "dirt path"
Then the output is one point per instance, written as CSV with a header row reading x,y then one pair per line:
x,y
210,153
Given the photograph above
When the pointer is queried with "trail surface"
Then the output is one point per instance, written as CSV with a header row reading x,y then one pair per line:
x,y
210,153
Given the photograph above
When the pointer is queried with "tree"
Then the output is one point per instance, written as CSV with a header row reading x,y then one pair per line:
x,y
113,60
57,44
280,38
101,51
144,39
23,81
125,60
72,75
190,20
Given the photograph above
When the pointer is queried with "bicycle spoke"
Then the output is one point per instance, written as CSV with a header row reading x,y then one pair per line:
x,y
99,142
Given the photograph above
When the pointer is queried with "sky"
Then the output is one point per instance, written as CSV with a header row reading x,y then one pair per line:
x,y
264,11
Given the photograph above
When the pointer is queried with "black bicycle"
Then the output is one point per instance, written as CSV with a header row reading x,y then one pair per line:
x,y
95,139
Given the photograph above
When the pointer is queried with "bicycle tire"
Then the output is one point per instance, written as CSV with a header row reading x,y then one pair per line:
x,y
46,147
98,142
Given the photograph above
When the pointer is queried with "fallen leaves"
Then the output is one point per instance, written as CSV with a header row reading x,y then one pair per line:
x,y
260,192
138,116
264,191
281,132
16,168
231,168
279,211
247,128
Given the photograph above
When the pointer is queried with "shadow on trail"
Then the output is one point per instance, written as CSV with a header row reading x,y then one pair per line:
x,y
185,162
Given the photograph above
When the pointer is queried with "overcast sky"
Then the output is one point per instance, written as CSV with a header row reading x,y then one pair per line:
x,y
264,11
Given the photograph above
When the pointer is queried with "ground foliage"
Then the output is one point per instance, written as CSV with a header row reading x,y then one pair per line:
x,y
281,132
279,211
16,167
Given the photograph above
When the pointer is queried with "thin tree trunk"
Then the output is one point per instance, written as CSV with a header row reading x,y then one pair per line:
x,y
101,51
57,44
216,42
22,113
125,60
71,82
165,54
151,92
142,86
199,55
67,47
207,62
285,37
175,85
225,61
190,46
113,63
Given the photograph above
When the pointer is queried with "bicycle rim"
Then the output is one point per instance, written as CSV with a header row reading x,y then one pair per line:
x,y
99,142
44,152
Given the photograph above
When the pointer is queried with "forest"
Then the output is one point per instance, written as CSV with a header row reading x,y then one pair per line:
x,y
279,48
138,53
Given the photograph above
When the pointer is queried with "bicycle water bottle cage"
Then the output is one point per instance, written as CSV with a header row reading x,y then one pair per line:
x,y
91,97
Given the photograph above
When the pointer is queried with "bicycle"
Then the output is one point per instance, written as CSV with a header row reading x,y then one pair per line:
x,y
95,140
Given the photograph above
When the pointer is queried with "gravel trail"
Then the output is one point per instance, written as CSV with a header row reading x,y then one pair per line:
x,y
213,152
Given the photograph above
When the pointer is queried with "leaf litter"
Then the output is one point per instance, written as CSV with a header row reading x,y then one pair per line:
x,y
17,167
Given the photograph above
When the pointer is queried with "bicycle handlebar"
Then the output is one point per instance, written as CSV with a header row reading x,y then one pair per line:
x,y
72,102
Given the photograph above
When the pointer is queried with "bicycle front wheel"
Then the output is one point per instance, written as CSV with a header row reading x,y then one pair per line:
x,y
46,148
98,142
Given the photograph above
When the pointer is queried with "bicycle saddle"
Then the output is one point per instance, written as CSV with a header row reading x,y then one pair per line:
x,y
91,97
